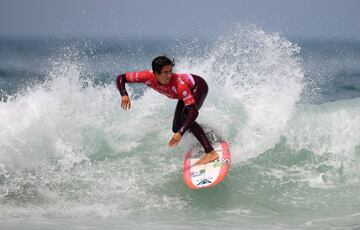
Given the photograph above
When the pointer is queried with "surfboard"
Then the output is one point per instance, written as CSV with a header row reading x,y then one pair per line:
x,y
212,173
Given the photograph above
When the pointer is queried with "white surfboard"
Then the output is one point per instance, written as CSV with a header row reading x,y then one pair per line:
x,y
210,174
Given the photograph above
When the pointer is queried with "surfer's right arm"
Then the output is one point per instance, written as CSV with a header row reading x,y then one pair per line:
x,y
120,83
130,77
125,100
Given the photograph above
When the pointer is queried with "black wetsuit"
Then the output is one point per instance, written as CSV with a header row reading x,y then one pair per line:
x,y
199,92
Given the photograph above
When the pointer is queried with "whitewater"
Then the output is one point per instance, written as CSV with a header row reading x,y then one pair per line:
x,y
69,156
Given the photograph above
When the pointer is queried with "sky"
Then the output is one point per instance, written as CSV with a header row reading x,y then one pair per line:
x,y
302,19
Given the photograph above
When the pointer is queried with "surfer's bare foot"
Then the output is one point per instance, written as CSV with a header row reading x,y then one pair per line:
x,y
208,157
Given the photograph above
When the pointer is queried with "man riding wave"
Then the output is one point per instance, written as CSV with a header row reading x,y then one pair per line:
x,y
189,89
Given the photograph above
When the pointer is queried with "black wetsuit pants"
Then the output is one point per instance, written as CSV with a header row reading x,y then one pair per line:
x,y
199,92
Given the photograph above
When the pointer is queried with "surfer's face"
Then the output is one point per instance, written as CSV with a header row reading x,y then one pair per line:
x,y
165,74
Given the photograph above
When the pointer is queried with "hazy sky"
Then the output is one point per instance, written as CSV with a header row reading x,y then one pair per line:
x,y
178,18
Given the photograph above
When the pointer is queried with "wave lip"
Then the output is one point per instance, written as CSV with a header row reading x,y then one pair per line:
x,y
256,80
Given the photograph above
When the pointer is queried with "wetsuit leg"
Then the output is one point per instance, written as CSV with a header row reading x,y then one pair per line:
x,y
199,92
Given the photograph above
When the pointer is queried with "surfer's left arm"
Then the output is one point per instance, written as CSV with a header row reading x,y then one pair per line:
x,y
190,105
193,113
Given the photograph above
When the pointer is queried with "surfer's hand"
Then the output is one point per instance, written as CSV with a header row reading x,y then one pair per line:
x,y
175,139
125,102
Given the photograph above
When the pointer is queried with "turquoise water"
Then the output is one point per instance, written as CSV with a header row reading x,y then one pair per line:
x,y
70,157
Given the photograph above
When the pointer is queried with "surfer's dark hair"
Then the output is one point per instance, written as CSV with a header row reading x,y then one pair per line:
x,y
159,62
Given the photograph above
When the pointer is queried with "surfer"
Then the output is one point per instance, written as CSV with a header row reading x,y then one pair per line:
x,y
189,89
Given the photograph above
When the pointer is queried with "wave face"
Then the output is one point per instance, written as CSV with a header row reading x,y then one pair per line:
x,y
68,153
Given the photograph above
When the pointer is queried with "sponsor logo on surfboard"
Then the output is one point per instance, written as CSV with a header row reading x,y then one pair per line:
x,y
196,174
205,181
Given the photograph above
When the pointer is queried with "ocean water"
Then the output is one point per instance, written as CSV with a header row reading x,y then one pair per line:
x,y
70,158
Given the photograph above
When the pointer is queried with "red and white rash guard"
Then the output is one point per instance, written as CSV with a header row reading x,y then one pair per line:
x,y
178,88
